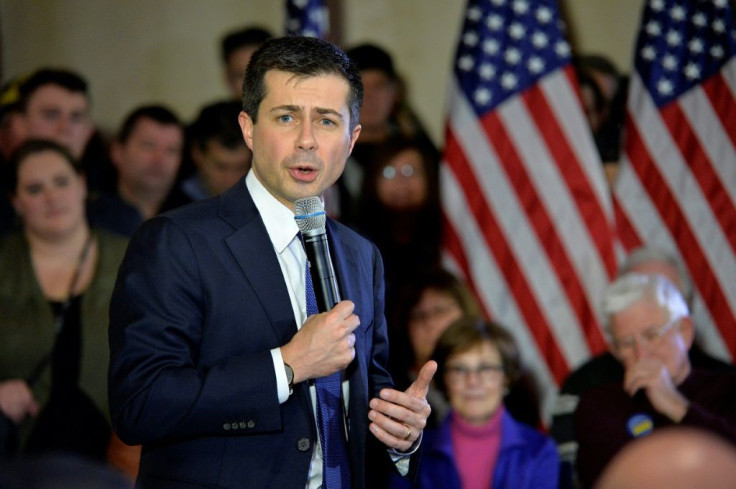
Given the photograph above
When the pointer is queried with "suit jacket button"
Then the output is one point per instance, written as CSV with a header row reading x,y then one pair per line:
x,y
234,425
303,444
251,424
242,425
226,427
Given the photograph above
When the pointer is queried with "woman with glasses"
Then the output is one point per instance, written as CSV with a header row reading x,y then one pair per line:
x,y
399,210
480,445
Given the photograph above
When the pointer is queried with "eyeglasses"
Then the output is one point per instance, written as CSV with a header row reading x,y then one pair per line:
x,y
485,372
651,336
438,310
406,171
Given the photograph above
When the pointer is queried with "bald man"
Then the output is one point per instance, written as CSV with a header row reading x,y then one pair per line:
x,y
673,458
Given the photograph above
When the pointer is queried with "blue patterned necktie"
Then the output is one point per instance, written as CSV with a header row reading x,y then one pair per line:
x,y
335,467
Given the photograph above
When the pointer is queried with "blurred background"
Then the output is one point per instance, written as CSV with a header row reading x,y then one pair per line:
x,y
136,51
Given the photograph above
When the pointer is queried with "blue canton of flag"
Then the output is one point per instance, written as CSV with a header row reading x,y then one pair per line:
x,y
506,46
307,18
681,44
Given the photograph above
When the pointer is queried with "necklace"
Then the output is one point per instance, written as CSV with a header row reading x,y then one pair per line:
x,y
61,312
59,318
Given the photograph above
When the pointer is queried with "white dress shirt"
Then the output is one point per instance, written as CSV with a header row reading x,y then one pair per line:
x,y
282,230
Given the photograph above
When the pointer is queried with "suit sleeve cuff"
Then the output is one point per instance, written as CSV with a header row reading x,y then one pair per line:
x,y
401,459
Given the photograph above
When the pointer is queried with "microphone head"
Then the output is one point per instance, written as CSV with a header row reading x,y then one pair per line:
x,y
310,215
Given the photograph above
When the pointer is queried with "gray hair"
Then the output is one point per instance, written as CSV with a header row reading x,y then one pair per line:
x,y
631,288
646,255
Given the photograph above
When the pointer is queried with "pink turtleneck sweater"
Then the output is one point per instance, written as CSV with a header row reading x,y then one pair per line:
x,y
476,450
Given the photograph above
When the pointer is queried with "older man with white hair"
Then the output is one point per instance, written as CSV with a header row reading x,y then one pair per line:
x,y
650,334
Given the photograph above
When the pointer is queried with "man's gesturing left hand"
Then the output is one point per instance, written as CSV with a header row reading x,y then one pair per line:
x,y
398,418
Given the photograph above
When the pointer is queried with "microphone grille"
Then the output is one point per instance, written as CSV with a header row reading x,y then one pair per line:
x,y
310,215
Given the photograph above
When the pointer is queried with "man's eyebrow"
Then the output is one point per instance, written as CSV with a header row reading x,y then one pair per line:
x,y
324,111
286,108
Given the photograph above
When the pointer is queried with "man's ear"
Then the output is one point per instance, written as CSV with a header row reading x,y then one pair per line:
x,y
687,331
246,127
354,136
116,153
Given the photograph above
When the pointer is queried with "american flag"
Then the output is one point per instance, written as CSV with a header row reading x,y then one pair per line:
x,y
676,188
529,220
307,18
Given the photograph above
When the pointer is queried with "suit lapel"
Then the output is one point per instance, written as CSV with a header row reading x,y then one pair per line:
x,y
251,248
348,273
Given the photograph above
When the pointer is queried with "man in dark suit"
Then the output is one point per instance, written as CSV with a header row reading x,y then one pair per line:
x,y
213,357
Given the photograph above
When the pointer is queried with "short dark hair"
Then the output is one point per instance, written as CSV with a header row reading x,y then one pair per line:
x,y
248,36
217,122
469,332
34,146
51,76
304,57
158,113
372,57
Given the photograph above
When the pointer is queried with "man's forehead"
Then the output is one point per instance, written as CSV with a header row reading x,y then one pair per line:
x,y
54,91
276,79
642,313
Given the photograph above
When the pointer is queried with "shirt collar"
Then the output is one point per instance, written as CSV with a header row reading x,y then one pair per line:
x,y
278,218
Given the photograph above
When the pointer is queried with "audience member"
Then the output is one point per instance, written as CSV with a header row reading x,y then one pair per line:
x,y
400,210
59,472
55,104
147,155
479,444
603,71
12,127
236,49
11,135
426,306
651,333
386,115
604,368
57,278
218,151
673,458
604,91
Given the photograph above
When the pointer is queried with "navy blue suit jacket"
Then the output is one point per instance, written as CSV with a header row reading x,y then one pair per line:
x,y
199,302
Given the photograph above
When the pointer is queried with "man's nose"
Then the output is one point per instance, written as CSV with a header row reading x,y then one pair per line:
x,y
307,139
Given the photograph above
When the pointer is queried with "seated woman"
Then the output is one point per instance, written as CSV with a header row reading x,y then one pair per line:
x,y
399,210
479,445
57,278
430,301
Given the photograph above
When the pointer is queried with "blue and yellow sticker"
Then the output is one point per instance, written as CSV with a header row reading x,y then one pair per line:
x,y
639,425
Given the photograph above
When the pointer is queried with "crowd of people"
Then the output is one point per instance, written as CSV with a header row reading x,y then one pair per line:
x,y
74,201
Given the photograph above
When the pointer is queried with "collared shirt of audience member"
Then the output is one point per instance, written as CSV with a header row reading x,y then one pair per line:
x,y
57,279
209,306
650,334
147,154
218,151
479,444
604,368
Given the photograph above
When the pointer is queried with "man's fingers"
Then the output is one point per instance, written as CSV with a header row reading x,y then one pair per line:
x,y
420,386
344,308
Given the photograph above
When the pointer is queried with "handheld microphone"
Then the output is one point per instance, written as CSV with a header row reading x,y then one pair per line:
x,y
310,216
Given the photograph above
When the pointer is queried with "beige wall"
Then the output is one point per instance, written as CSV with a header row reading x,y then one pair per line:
x,y
138,51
